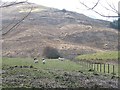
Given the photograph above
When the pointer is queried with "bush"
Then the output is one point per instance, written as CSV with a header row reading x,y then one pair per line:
x,y
51,53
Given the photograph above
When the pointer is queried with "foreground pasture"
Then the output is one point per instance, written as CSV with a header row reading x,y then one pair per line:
x,y
23,72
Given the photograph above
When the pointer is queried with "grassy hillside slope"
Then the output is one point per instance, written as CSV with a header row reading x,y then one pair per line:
x,y
112,55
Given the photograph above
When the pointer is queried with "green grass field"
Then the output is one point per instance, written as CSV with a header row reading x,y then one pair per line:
x,y
54,73
50,63
112,55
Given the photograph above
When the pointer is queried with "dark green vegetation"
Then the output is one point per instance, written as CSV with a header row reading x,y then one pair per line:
x,y
23,72
115,24
51,53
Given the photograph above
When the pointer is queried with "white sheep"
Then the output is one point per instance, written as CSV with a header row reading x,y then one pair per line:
x,y
61,59
35,60
43,61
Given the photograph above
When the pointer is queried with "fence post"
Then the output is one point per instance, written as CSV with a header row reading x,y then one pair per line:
x,y
113,69
100,67
94,66
108,68
104,68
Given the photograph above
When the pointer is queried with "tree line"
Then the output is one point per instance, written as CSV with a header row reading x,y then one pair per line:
x,y
115,24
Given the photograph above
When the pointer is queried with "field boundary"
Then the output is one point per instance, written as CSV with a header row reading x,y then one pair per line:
x,y
106,68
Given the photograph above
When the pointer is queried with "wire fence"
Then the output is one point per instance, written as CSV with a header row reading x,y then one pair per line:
x,y
101,67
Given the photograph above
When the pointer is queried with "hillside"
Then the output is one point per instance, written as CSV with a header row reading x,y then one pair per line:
x,y
70,32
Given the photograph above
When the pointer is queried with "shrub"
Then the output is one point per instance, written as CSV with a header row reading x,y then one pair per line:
x,y
51,53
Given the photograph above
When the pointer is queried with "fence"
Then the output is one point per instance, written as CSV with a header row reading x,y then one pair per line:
x,y
101,67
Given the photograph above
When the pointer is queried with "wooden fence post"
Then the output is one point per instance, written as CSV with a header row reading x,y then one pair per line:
x,y
113,69
100,67
104,68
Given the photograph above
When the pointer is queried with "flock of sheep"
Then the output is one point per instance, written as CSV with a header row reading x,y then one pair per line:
x,y
44,61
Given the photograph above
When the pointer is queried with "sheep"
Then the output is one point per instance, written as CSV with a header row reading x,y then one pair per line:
x,y
35,60
61,59
43,61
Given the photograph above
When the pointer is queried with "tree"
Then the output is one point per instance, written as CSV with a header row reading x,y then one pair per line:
x,y
115,25
5,5
119,24
51,53
111,7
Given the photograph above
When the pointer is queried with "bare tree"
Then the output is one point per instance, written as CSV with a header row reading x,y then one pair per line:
x,y
4,5
111,7
7,5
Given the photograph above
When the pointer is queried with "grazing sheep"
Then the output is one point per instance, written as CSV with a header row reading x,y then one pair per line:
x,y
61,59
43,61
35,60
